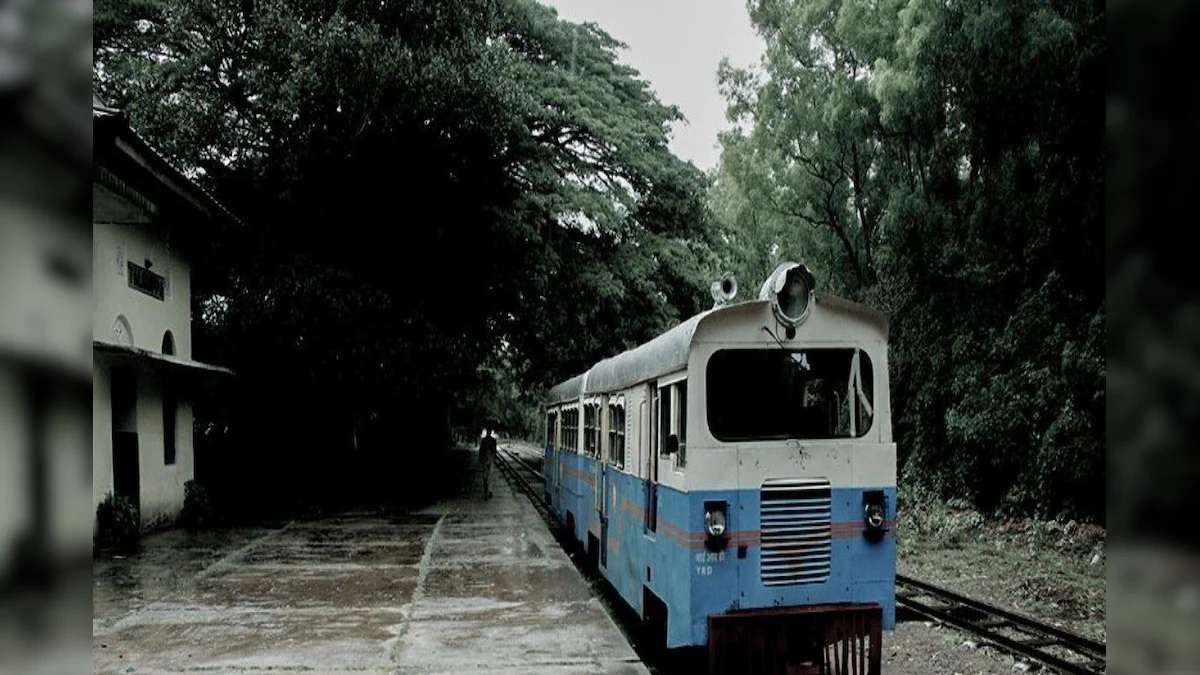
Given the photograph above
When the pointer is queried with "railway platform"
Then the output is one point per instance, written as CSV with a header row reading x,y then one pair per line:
x,y
466,585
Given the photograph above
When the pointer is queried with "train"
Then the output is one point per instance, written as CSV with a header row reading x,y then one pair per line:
x,y
734,478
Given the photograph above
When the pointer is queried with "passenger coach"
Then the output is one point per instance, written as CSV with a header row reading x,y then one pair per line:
x,y
735,477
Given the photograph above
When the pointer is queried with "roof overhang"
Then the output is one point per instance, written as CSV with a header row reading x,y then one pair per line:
x,y
118,150
113,353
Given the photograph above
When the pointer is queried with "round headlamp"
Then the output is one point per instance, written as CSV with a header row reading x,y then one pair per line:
x,y
790,291
714,523
873,516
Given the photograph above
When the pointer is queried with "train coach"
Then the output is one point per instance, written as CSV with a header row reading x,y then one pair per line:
x,y
734,479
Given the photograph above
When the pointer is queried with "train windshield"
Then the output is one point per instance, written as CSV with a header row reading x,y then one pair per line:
x,y
764,394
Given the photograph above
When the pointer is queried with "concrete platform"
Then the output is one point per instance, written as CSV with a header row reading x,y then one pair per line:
x,y
469,585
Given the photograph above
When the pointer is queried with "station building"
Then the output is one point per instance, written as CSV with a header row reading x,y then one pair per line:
x,y
148,223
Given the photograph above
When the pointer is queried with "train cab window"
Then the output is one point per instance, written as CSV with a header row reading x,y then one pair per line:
x,y
680,425
764,394
672,422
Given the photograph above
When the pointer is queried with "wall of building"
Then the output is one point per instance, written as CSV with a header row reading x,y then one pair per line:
x,y
123,231
161,483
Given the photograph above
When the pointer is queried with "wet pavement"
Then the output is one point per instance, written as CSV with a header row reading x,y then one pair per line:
x,y
465,585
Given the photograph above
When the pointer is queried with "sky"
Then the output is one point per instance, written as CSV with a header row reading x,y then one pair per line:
x,y
677,45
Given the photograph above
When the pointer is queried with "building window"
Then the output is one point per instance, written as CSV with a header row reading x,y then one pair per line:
x,y
122,334
168,344
170,415
142,279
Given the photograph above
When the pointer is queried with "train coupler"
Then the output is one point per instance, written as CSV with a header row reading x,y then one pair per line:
x,y
812,640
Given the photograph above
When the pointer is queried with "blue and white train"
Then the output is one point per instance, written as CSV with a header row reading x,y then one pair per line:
x,y
736,475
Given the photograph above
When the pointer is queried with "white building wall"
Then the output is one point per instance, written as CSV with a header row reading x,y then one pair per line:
x,y
161,483
122,232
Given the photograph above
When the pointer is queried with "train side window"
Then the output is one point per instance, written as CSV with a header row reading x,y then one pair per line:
x,y
621,437
589,423
597,432
572,430
616,434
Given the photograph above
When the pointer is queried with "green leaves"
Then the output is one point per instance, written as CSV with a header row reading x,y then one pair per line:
x,y
943,162
440,196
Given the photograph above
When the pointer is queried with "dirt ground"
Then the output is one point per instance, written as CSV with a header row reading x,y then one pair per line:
x,y
1051,571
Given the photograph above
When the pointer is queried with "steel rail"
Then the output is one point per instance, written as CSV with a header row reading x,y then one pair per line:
x,y
1037,634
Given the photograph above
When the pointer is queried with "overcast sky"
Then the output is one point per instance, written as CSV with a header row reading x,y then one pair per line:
x,y
676,45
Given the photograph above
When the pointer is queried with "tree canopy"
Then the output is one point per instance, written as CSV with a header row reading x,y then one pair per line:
x,y
945,163
434,193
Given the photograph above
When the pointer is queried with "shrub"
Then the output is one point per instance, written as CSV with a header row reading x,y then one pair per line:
x,y
198,512
118,524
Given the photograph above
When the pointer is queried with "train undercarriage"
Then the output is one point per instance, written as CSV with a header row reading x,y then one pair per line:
x,y
813,640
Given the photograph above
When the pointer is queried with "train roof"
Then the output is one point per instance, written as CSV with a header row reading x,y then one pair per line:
x,y
668,352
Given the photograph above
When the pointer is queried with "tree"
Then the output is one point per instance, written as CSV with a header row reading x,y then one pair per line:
x,y
361,142
952,154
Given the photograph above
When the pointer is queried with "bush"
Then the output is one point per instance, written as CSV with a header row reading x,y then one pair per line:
x,y
198,512
118,524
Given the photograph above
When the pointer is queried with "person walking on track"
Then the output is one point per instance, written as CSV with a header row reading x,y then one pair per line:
x,y
487,457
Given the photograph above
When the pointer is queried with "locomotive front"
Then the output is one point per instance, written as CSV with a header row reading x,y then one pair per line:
x,y
791,483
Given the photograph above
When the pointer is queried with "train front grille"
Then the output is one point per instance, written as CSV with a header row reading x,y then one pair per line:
x,y
795,531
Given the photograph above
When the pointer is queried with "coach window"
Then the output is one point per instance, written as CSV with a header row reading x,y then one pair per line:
x,y
616,433
597,429
572,417
551,423
589,429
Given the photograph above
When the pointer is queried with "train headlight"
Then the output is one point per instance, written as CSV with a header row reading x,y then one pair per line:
x,y
874,516
790,290
716,524
874,513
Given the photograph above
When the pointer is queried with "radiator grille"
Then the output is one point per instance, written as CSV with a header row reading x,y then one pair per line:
x,y
795,531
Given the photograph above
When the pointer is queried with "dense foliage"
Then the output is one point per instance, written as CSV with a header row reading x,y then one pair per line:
x,y
433,193
945,163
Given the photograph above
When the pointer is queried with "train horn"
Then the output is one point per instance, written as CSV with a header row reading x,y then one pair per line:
x,y
724,289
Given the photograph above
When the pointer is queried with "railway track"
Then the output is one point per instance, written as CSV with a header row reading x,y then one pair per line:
x,y
1059,649
526,478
